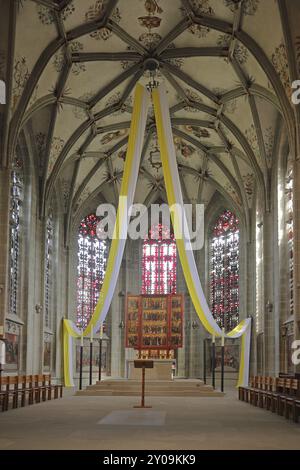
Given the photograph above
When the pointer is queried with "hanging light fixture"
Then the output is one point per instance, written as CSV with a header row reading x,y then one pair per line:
x,y
152,66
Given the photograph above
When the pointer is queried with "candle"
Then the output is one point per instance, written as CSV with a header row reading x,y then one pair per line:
x,y
91,338
81,340
223,336
213,338
101,331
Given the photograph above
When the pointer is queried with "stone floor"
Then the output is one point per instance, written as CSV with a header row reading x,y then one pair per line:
x,y
76,422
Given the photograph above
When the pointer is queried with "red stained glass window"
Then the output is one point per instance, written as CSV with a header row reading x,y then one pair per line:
x,y
224,270
92,258
159,262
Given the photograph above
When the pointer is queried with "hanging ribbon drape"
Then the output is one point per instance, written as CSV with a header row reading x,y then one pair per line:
x,y
131,170
186,255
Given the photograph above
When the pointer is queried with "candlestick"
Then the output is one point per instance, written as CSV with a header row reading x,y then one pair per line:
x,y
101,331
213,338
91,337
223,336
81,340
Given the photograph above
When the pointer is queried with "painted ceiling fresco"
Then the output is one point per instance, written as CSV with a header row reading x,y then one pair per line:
x,y
75,67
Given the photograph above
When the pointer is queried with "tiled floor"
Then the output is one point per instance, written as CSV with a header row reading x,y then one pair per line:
x,y
189,423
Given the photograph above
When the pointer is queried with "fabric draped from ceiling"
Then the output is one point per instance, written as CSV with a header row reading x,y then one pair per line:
x,y
186,255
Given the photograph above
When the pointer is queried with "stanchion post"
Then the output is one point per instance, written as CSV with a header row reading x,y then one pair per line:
x,y
204,360
222,360
100,351
213,361
91,357
80,362
143,388
100,358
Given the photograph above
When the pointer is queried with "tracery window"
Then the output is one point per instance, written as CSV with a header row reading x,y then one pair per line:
x,y
48,269
159,262
92,259
290,236
224,270
16,199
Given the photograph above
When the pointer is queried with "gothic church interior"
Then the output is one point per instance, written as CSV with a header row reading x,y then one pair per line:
x,y
69,71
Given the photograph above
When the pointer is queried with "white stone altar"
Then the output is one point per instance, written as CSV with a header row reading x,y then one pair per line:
x,y
162,370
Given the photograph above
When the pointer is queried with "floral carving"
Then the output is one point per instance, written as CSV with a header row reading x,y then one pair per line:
x,y
59,59
233,193
269,143
40,142
192,96
65,190
46,16
240,51
56,148
21,75
177,62
230,106
95,12
201,8
280,62
185,150
114,99
199,132
251,136
110,136
248,180
150,40
80,112
249,7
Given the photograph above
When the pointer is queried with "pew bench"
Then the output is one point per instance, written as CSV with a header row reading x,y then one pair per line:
x,y
17,390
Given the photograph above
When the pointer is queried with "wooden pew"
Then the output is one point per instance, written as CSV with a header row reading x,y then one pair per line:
x,y
277,392
288,402
17,390
3,392
57,388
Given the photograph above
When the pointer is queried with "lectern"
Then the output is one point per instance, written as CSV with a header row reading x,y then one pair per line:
x,y
143,364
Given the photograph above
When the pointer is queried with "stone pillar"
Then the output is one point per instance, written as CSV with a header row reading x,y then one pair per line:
x,y
251,306
117,333
268,305
133,281
297,254
182,371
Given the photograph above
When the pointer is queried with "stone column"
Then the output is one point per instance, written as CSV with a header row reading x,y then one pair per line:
x,y
297,254
182,371
117,333
268,305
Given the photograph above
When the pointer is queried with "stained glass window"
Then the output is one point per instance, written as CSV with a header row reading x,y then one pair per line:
x,y
159,262
16,198
92,258
48,270
224,270
290,236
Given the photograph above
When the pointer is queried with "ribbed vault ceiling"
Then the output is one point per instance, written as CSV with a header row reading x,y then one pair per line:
x,y
76,65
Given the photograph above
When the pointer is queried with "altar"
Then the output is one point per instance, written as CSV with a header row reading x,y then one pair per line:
x,y
162,370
